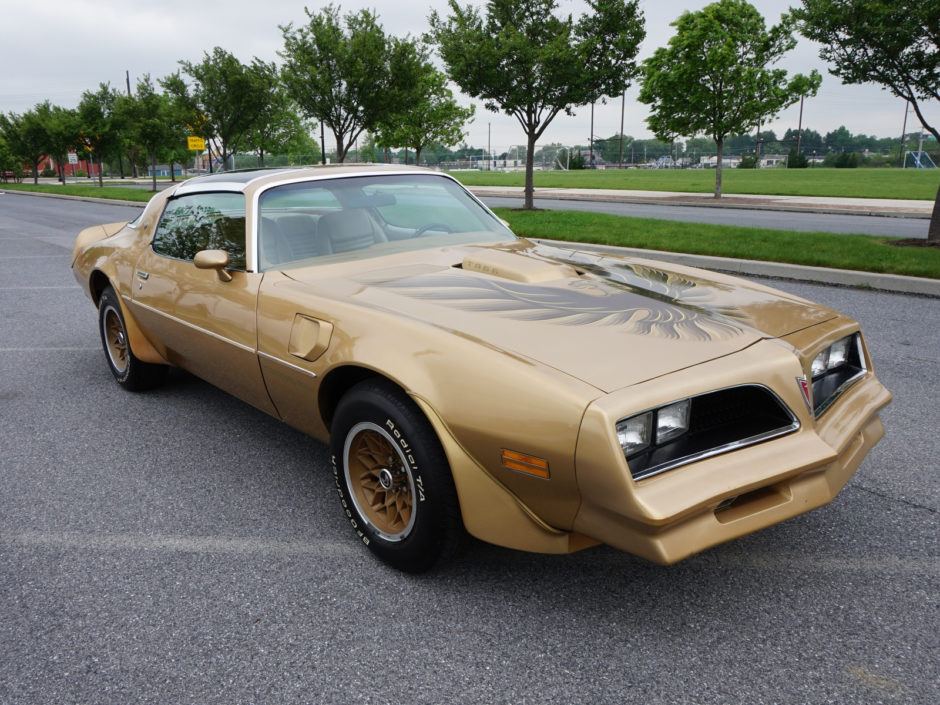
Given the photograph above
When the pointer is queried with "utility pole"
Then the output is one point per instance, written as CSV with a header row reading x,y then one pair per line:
x,y
799,130
127,76
322,144
907,106
623,105
591,139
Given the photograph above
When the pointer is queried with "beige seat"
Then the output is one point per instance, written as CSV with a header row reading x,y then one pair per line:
x,y
272,247
300,233
347,230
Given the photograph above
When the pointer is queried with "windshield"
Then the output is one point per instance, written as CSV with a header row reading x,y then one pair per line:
x,y
338,220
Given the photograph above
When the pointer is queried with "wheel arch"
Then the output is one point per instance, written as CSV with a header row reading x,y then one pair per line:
x,y
142,348
337,382
490,511
97,283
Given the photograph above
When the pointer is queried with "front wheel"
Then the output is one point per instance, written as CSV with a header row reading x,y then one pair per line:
x,y
129,372
393,479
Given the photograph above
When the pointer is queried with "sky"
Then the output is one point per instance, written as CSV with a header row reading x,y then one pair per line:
x,y
57,49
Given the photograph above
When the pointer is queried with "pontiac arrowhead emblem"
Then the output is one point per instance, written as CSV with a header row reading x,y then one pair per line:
x,y
804,388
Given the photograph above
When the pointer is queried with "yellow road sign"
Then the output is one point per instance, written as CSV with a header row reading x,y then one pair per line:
x,y
196,143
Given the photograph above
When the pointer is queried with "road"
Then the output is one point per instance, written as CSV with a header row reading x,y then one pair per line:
x,y
778,220
180,547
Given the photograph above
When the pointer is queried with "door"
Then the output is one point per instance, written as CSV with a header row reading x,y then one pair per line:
x,y
208,325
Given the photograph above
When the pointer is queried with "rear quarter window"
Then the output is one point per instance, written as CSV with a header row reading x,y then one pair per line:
x,y
203,221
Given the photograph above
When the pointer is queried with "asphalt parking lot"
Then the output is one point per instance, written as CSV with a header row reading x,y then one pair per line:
x,y
180,547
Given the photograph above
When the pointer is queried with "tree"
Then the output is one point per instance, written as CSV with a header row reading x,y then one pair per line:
x,y
149,117
427,112
98,129
893,43
61,133
231,96
25,137
276,125
524,61
714,77
339,75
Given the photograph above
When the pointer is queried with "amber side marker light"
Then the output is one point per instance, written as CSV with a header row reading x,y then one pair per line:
x,y
525,463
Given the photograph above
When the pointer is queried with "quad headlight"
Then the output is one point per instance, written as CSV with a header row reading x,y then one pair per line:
x,y
697,427
657,426
835,369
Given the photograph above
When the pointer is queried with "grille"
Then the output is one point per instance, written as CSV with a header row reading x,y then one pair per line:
x,y
719,422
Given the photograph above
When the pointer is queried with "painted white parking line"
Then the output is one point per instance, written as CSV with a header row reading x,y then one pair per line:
x,y
176,544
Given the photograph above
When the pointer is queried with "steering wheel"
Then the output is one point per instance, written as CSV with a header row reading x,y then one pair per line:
x,y
431,227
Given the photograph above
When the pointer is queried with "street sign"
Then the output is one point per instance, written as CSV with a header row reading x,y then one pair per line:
x,y
197,144
73,158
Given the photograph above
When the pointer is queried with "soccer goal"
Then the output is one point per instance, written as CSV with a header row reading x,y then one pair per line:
x,y
918,160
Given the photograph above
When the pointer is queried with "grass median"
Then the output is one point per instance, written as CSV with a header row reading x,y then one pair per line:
x,y
859,252
916,184
118,193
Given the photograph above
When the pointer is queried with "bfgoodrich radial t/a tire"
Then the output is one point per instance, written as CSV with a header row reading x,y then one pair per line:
x,y
129,372
393,479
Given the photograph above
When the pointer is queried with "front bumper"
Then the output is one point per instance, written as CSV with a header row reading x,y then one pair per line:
x,y
683,511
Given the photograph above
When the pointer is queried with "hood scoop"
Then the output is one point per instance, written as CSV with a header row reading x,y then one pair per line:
x,y
517,268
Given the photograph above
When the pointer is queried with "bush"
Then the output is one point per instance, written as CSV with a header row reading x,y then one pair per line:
x,y
797,160
576,161
48,173
846,160
748,163
80,173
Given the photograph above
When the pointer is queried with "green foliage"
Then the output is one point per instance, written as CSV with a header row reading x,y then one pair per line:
x,y
893,43
749,162
149,119
525,61
99,124
797,160
576,161
425,110
846,160
25,137
338,72
714,77
231,97
61,132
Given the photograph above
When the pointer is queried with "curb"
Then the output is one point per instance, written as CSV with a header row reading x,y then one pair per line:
x,y
894,283
824,210
66,197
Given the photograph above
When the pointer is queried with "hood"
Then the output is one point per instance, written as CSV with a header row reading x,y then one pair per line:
x,y
608,321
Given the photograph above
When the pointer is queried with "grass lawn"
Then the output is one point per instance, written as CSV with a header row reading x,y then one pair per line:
x,y
859,252
920,184
119,193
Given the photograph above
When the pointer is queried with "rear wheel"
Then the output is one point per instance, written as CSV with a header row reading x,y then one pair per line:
x,y
393,478
129,372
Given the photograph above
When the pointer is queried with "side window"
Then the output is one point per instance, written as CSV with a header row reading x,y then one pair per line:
x,y
203,221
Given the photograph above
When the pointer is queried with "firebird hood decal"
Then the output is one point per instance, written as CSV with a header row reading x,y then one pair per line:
x,y
607,321
668,306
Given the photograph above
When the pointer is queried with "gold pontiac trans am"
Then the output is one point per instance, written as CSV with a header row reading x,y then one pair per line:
x,y
542,398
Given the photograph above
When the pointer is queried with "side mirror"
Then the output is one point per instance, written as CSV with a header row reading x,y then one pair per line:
x,y
213,259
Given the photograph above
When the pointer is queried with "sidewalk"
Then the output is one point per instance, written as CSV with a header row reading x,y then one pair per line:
x,y
898,208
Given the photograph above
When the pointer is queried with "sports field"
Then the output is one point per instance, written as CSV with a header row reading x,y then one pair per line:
x,y
918,184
